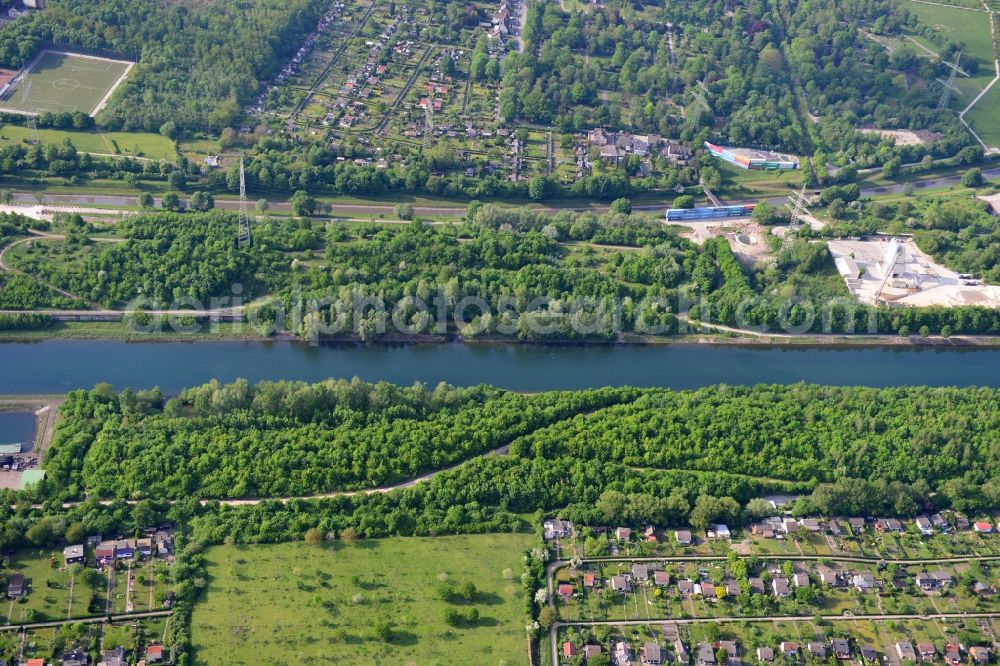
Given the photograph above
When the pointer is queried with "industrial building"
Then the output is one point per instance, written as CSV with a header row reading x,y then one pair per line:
x,y
750,158
890,270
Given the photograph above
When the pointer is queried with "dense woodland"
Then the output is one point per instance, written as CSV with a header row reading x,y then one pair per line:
x,y
567,276
287,438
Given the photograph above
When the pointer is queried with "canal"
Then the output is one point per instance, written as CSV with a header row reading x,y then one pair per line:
x,y
60,365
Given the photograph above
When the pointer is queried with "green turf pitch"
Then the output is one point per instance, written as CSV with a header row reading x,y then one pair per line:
x,y
64,82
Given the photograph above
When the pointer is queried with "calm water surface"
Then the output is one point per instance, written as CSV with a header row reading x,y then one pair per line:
x,y
60,365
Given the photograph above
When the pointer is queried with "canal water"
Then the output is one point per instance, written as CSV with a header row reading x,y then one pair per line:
x,y
17,428
60,365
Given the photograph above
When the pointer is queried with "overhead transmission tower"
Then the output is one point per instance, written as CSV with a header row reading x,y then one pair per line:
x,y
701,97
243,238
798,206
949,86
32,121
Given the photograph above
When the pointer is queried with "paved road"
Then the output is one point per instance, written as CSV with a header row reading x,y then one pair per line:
x,y
123,617
250,501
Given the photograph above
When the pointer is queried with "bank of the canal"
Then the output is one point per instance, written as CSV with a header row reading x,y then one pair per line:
x,y
57,366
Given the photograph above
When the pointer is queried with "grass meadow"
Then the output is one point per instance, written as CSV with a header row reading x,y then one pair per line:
x,y
320,604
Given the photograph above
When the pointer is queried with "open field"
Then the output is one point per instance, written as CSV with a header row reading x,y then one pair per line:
x,y
66,82
318,604
127,144
969,27
985,117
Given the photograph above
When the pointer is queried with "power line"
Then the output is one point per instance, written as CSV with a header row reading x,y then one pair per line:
x,y
949,87
243,238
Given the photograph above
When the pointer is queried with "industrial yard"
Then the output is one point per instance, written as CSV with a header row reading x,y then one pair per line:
x,y
894,270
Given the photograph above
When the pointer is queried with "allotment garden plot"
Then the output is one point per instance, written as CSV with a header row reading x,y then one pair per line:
x,y
65,82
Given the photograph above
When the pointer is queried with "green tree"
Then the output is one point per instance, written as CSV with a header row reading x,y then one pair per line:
x,y
146,201
622,206
973,177
303,205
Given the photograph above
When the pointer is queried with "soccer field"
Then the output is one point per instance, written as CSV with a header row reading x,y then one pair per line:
x,y
65,82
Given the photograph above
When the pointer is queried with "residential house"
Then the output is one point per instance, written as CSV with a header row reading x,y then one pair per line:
x,y
104,552
611,153
817,649
779,585
800,580
556,529
789,650
17,587
568,650
888,525
591,651
620,584
623,533
765,654
863,582
685,587
651,655
35,662
953,654
74,657
678,152
621,655
661,578
924,525
904,649
73,554
705,655
811,524
722,532
982,589
869,655
857,524
708,591
683,537
589,580
640,573
114,657
733,588
681,651
598,137
144,547
763,530
828,576
124,549
566,590
983,526
732,652
980,654
164,539
927,651
961,522
939,521
650,534
154,654
943,578
841,648
925,581
756,585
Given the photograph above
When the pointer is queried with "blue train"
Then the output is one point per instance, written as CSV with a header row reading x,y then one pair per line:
x,y
709,212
